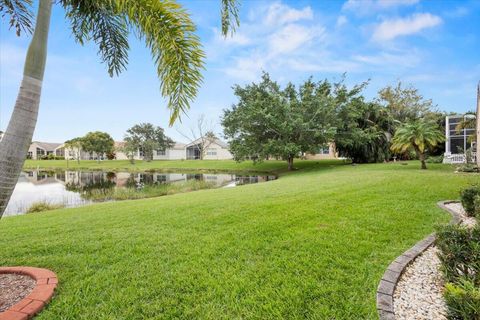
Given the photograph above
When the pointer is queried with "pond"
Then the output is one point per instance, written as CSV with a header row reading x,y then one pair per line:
x,y
76,188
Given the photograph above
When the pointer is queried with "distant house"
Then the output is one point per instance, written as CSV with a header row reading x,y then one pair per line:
x,y
457,142
323,153
216,150
39,149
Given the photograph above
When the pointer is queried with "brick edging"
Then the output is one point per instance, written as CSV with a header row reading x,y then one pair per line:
x,y
46,282
394,271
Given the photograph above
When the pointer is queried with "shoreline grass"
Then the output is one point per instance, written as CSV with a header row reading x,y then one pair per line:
x,y
145,192
312,244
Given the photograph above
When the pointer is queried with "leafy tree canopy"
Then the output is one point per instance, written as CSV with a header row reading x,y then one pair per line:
x,y
97,142
147,137
406,104
270,121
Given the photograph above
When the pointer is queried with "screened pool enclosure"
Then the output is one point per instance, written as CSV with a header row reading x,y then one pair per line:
x,y
459,141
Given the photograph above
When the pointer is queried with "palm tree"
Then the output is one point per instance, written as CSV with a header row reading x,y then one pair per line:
x,y
419,136
165,27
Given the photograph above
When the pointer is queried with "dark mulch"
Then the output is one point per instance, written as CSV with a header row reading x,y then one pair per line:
x,y
13,288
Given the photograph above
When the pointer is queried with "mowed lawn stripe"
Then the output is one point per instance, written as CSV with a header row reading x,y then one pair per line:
x,y
312,244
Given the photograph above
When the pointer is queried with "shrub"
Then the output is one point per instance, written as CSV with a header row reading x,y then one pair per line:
x,y
435,159
43,206
476,204
468,197
463,300
467,168
459,253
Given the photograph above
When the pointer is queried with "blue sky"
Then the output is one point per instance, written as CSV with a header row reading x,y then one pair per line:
x,y
433,45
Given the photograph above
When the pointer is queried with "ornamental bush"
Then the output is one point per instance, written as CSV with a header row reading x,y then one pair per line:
x,y
463,300
468,199
459,253
476,204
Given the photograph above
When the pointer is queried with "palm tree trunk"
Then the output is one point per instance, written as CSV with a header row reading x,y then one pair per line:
x,y
18,136
421,157
478,126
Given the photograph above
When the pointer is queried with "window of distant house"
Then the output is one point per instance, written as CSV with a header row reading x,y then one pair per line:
x,y
140,153
324,150
211,152
161,152
161,178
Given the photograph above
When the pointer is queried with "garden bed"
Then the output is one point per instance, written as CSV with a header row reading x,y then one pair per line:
x,y
24,291
13,288
417,290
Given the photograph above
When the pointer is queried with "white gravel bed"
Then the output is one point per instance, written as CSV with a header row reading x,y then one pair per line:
x,y
457,207
418,294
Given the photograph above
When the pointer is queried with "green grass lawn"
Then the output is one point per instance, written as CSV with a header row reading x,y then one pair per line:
x,y
312,244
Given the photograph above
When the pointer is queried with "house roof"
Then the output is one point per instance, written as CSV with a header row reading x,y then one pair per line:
x,y
178,145
119,144
47,146
216,141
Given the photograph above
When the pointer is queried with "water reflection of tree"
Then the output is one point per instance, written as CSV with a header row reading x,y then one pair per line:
x,y
131,182
196,176
111,176
87,189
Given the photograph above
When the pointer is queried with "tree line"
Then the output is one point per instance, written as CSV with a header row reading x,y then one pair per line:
x,y
270,121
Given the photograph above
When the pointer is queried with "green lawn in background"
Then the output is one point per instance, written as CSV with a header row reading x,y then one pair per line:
x,y
312,244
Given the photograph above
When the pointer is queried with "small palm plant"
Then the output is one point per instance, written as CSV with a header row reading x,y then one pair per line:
x,y
418,135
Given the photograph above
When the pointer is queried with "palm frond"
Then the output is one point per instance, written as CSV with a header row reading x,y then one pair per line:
x,y
170,34
19,14
167,30
230,16
98,21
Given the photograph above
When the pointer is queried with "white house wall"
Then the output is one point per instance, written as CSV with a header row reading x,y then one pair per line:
x,y
222,153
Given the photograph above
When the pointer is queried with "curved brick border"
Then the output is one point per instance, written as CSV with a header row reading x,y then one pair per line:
x,y
392,275
42,293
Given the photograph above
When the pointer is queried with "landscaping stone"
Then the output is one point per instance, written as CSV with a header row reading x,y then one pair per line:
x,y
13,288
418,287
27,303
418,294
457,207
411,287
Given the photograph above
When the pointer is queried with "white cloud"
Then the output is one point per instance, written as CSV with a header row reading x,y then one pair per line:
x,y
363,7
293,36
341,20
392,28
384,60
247,68
279,14
323,65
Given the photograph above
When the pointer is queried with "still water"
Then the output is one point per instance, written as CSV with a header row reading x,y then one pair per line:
x,y
64,187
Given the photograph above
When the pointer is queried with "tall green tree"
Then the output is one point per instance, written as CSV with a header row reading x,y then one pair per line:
x,y
164,26
74,145
364,129
268,121
406,103
147,138
98,143
419,135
